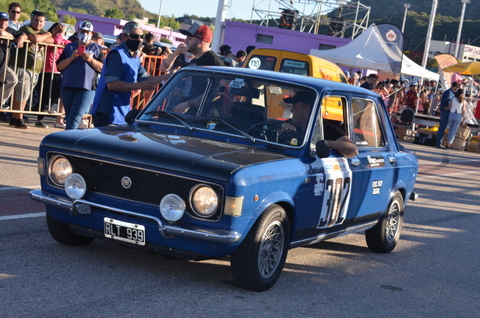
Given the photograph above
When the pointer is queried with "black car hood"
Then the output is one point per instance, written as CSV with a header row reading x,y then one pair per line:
x,y
185,154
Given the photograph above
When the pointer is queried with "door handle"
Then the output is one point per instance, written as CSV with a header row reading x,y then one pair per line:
x,y
355,162
392,159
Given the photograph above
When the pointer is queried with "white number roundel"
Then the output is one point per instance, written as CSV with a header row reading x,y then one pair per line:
x,y
254,63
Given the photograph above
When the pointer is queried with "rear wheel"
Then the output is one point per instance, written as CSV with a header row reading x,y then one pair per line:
x,y
62,234
384,236
258,262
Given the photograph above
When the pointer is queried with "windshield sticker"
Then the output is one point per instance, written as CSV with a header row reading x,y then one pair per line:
x,y
254,63
236,83
376,185
275,90
375,161
333,164
337,184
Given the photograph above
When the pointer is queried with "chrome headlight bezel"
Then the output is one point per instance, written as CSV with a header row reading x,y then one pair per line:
x,y
75,186
204,201
59,169
172,207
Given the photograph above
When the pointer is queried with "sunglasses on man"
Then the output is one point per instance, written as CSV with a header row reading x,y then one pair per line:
x,y
135,36
16,12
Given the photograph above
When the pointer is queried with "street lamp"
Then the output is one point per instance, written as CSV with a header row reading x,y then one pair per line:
x,y
457,47
407,6
159,14
429,32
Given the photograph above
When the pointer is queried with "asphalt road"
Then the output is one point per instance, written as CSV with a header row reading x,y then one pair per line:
x,y
432,273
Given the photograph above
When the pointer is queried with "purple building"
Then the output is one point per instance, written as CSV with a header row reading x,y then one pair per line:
x,y
240,35
109,26
236,34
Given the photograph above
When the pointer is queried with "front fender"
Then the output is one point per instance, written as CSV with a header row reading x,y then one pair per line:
x,y
272,198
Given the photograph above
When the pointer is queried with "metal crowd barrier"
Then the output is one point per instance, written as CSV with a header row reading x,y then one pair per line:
x,y
138,100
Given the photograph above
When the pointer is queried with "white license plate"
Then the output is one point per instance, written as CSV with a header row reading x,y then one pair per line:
x,y
124,231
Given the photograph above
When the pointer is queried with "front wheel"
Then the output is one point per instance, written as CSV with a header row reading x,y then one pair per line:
x,y
62,233
384,236
258,262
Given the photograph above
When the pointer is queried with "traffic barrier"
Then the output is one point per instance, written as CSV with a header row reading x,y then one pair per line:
x,y
44,82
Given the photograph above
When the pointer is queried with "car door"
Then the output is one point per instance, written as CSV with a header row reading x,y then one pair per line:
x,y
373,168
331,178
350,191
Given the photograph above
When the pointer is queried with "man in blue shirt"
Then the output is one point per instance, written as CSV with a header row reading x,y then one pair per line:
x,y
444,113
122,72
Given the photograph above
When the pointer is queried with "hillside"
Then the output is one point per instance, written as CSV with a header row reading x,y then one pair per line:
x,y
446,20
448,8
97,7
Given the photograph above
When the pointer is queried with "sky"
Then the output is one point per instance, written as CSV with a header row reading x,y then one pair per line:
x,y
240,9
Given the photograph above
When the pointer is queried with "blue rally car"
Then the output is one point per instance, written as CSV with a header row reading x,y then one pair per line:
x,y
233,162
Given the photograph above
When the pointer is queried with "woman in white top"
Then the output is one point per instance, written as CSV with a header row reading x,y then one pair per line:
x,y
457,115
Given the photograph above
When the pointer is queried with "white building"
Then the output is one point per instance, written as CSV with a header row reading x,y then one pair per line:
x,y
465,53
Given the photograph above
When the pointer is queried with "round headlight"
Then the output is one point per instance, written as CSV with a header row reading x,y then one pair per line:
x,y
204,201
75,186
59,169
172,207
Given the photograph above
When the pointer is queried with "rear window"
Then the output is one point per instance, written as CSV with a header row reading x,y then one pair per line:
x,y
262,62
294,67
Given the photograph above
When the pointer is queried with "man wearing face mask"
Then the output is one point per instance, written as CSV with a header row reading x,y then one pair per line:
x,y
79,64
121,73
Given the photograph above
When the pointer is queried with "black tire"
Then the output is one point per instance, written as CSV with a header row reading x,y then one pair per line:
x,y
384,236
258,262
62,234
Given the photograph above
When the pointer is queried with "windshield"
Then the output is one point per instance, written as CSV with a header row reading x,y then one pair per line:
x,y
248,107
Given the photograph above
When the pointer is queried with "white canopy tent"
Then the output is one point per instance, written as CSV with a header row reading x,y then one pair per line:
x,y
411,68
370,51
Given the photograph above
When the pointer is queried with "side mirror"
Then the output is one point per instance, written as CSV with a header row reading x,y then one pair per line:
x,y
322,149
131,115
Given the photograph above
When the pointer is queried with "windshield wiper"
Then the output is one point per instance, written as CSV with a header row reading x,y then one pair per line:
x,y
178,118
252,139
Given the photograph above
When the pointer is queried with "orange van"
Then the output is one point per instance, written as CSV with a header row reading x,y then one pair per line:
x,y
301,64
295,63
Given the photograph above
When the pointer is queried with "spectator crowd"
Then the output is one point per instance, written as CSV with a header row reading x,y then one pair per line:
x,y
80,75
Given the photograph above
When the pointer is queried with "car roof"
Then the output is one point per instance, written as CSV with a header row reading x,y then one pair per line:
x,y
162,44
319,84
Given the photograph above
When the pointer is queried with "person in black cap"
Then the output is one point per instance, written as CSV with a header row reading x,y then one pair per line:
x,y
302,104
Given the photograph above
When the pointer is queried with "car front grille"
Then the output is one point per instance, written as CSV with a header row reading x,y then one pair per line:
x,y
147,186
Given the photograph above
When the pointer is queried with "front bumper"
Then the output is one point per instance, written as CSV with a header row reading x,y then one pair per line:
x,y
79,207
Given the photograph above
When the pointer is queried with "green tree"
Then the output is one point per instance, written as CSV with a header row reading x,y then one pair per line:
x,y
114,13
69,20
165,40
78,10
169,21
